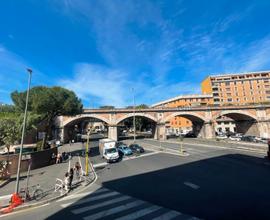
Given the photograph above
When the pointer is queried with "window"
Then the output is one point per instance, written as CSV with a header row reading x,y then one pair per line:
x,y
229,94
229,100
227,83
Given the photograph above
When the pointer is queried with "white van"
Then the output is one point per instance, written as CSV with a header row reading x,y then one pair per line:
x,y
108,150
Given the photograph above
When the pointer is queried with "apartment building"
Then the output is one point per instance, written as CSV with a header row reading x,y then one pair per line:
x,y
238,89
180,124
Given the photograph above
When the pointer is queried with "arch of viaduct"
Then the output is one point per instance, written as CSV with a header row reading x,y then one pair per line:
x,y
254,120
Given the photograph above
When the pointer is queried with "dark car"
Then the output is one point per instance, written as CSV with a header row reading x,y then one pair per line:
x,y
248,138
136,148
190,135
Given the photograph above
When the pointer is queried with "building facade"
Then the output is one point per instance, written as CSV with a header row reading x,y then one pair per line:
x,y
180,124
238,89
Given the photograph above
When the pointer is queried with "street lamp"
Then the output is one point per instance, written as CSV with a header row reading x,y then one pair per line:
x,y
134,124
23,131
86,151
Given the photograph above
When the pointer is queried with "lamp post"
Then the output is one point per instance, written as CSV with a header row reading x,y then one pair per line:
x,y
23,131
134,123
86,152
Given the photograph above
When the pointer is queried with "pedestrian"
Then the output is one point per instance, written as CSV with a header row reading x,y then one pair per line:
x,y
53,158
58,158
66,181
77,169
71,172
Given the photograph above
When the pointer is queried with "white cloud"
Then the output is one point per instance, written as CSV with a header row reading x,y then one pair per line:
x,y
91,81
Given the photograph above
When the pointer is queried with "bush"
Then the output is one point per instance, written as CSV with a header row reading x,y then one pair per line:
x,y
39,145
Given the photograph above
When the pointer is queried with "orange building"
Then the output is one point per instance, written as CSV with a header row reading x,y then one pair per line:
x,y
180,124
238,89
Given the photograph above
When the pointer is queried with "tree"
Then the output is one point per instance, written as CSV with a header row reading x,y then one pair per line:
x,y
107,107
142,106
49,102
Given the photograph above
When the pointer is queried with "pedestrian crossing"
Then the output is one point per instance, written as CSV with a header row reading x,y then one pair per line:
x,y
108,204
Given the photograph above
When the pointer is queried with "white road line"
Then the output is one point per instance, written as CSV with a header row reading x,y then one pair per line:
x,y
88,208
74,196
143,155
168,215
90,199
113,210
192,185
139,213
100,165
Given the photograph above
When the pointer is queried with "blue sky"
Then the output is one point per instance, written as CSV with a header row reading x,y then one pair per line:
x,y
101,49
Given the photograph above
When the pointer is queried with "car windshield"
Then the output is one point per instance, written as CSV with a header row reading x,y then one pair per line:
x,y
125,148
111,150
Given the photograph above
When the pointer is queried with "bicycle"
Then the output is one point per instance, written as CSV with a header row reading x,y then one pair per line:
x,y
35,194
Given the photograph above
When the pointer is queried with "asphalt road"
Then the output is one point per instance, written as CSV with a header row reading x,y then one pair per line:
x,y
210,183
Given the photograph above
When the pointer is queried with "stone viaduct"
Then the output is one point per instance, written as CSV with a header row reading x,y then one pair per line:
x,y
250,119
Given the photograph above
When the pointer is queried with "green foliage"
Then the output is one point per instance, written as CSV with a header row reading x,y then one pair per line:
x,y
142,106
7,109
9,131
107,107
39,145
11,126
48,102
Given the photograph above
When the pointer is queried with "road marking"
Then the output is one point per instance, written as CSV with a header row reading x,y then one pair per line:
x,y
88,208
139,213
74,196
100,165
91,199
192,185
168,215
143,155
114,210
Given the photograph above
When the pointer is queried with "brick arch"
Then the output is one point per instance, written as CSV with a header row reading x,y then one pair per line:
x,y
240,112
96,116
183,114
136,114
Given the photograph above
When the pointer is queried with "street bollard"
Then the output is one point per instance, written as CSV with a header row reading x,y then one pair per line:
x,y
181,144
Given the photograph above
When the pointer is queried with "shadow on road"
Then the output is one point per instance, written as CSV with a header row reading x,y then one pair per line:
x,y
232,186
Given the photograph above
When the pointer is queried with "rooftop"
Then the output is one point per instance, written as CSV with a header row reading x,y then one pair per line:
x,y
182,97
242,73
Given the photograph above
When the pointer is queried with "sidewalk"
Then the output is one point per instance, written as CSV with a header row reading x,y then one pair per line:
x,y
45,177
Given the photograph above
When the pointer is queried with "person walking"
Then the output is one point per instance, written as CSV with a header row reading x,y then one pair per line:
x,y
71,173
66,181
58,158
77,169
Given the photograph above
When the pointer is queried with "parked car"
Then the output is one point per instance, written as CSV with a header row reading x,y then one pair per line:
x,y
171,135
248,138
136,148
190,135
221,137
124,150
235,138
264,140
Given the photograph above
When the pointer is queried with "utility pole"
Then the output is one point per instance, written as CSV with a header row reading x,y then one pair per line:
x,y
23,131
134,120
86,152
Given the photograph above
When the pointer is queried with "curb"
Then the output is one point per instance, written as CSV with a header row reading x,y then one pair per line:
x,y
5,182
41,203
262,151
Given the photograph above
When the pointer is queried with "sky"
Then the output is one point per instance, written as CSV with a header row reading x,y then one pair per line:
x,y
101,49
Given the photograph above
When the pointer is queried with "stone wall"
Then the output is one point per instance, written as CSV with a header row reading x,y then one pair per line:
x,y
38,159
